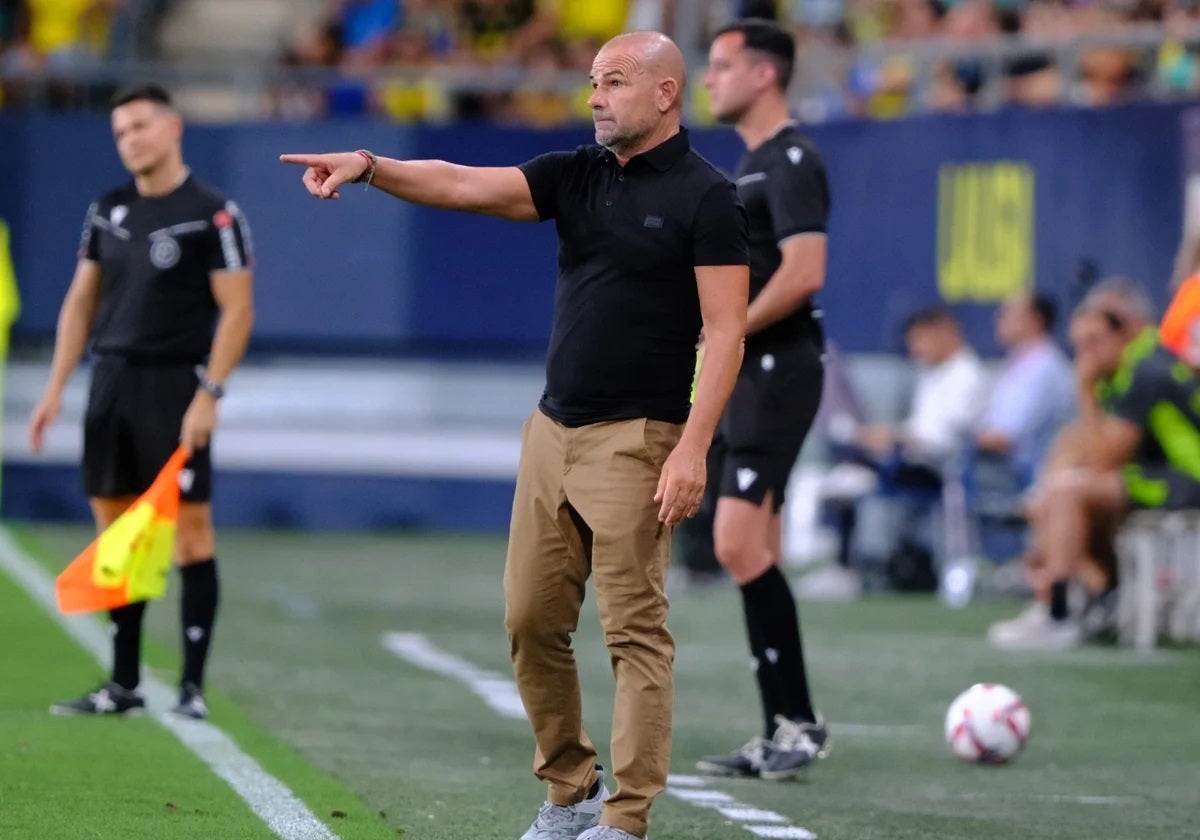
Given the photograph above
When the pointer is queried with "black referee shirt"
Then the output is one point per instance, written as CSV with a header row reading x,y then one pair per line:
x,y
786,193
626,309
155,255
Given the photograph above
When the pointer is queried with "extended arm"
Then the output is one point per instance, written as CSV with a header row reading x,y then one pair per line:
x,y
494,191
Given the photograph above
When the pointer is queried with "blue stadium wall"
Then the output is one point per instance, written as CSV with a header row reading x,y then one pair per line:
x,y
957,208
926,208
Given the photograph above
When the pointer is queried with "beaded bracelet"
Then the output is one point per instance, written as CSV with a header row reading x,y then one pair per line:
x,y
368,174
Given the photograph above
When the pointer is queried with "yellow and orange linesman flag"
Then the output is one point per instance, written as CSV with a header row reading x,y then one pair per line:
x,y
129,561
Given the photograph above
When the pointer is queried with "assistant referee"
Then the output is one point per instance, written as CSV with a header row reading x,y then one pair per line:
x,y
162,260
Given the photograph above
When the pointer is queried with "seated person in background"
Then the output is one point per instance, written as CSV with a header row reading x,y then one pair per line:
x,y
950,385
1136,444
1031,397
907,461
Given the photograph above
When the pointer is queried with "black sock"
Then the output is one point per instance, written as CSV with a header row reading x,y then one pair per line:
x,y
767,679
127,644
198,610
594,791
783,682
1058,600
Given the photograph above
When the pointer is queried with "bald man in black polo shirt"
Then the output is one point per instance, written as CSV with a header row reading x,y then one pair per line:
x,y
652,247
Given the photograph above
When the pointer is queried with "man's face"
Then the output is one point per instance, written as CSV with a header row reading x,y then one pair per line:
x,y
923,344
625,100
1098,344
733,79
145,133
1016,321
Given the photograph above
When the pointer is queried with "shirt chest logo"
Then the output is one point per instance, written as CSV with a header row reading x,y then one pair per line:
x,y
118,214
164,246
164,251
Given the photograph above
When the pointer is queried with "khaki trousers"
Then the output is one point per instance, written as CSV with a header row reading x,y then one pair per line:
x,y
584,505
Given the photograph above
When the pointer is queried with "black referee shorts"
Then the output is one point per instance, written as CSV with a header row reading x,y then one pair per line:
x,y
769,413
134,414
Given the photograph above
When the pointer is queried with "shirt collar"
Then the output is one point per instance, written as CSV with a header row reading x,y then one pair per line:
x,y
667,153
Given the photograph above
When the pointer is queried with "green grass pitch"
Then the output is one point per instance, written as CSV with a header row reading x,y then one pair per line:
x,y
301,681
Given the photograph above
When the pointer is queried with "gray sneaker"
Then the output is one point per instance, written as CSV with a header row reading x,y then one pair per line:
x,y
568,822
745,761
794,747
191,703
607,832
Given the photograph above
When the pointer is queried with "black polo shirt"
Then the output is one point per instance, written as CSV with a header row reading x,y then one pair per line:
x,y
626,308
156,255
786,192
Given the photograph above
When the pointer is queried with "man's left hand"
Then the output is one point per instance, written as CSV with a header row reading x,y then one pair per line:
x,y
681,485
199,421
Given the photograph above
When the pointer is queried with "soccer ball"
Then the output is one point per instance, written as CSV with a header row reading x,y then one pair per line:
x,y
988,724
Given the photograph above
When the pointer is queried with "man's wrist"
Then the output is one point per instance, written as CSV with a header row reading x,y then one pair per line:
x,y
368,174
212,387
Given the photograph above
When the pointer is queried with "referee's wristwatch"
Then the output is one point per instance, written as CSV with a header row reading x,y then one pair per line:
x,y
216,390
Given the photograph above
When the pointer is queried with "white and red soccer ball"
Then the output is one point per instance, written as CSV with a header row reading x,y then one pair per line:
x,y
988,724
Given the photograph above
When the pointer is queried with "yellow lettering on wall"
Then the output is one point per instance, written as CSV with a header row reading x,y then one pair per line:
x,y
984,230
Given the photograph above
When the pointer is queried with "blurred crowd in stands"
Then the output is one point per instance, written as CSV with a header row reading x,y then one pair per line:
x,y
524,61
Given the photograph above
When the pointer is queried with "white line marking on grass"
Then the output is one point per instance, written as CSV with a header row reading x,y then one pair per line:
x,y
500,693
687,781
786,832
269,798
754,815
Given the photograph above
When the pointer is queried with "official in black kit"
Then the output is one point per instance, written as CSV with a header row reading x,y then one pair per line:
x,y
782,182
162,298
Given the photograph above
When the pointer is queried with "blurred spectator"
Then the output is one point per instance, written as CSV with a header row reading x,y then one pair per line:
x,y
135,28
1031,397
950,383
890,84
969,22
1134,458
587,20
1175,64
1106,73
904,464
318,47
409,97
367,27
537,101
498,30
1034,79
62,34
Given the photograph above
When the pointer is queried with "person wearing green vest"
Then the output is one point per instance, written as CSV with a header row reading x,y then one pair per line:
x,y
1139,411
